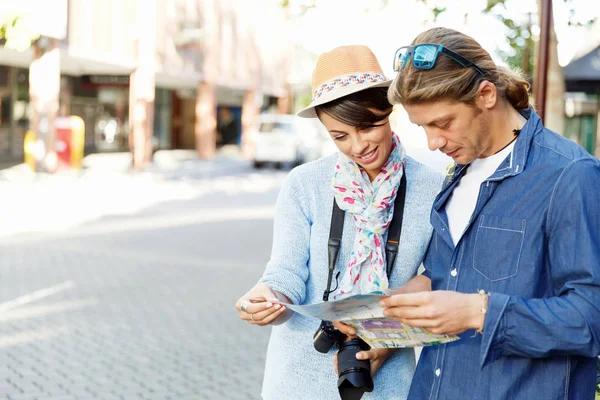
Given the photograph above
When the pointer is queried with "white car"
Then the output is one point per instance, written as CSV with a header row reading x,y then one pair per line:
x,y
284,138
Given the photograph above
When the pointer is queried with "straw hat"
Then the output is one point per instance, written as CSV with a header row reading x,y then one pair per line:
x,y
343,71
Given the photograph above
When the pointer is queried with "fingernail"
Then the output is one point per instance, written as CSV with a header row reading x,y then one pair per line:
x,y
277,306
269,305
381,303
359,356
386,313
352,332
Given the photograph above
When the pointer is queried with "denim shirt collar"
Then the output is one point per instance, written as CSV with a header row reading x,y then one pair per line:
x,y
516,162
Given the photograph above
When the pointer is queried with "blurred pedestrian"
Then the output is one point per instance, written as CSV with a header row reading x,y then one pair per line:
x,y
514,263
350,99
228,127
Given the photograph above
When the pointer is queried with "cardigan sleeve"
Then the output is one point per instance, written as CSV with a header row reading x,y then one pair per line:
x,y
287,269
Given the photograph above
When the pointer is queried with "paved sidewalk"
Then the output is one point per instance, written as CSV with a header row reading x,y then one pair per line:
x,y
106,187
121,286
171,164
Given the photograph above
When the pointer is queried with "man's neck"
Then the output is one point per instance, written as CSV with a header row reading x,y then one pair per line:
x,y
503,125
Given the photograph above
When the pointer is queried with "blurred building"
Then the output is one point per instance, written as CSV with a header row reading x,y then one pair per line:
x,y
143,74
582,101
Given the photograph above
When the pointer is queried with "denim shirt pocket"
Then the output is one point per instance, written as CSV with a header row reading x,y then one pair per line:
x,y
498,246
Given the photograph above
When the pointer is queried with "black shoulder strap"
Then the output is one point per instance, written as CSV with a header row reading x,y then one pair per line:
x,y
391,248
395,229
334,244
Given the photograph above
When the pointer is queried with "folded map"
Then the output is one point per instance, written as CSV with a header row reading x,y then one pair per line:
x,y
364,314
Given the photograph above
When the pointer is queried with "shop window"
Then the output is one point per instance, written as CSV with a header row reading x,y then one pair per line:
x,y
4,76
582,130
5,111
163,110
22,85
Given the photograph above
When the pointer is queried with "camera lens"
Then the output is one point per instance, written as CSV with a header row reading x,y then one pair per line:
x,y
354,375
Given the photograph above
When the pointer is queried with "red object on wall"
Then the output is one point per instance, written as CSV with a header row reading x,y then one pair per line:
x,y
62,146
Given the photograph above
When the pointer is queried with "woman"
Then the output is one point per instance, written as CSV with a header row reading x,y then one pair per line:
x,y
349,98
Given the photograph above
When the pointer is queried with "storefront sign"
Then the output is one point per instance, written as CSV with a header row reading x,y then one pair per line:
x,y
105,80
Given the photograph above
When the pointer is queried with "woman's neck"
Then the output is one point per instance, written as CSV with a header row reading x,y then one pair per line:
x,y
372,174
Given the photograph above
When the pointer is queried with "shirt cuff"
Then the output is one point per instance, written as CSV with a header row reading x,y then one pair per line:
x,y
494,329
426,273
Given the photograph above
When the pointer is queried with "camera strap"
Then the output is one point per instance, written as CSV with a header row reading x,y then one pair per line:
x,y
393,240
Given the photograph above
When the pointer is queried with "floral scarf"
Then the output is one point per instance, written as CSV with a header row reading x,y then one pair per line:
x,y
372,206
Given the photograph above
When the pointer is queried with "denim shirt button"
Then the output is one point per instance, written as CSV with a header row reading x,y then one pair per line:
x,y
438,372
453,272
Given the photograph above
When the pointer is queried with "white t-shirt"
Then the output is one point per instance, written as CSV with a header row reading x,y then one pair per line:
x,y
464,197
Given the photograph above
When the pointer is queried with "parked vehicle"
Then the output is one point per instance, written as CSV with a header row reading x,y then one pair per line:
x,y
288,139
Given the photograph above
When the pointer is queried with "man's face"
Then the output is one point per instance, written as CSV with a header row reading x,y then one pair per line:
x,y
457,129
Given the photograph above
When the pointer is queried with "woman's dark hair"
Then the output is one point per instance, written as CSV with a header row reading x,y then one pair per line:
x,y
361,110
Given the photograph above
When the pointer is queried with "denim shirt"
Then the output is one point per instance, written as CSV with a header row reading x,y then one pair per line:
x,y
533,242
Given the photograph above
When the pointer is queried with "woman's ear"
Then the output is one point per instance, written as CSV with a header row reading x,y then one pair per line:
x,y
487,95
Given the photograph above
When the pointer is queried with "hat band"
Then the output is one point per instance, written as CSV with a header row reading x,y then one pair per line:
x,y
347,80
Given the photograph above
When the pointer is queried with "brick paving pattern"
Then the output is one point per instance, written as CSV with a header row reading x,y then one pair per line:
x,y
146,314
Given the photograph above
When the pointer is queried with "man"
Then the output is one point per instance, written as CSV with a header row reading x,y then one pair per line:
x,y
514,262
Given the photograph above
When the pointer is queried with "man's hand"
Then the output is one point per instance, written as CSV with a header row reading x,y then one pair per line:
x,y
439,311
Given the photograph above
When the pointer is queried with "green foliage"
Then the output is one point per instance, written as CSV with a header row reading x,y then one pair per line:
x,y
520,37
6,23
303,99
437,11
492,4
304,5
519,34
15,34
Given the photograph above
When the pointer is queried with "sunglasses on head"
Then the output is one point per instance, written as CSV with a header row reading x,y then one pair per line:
x,y
425,55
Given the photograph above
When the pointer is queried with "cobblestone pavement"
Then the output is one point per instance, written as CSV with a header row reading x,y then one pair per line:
x,y
141,306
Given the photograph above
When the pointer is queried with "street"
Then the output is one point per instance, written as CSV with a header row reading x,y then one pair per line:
x,y
135,302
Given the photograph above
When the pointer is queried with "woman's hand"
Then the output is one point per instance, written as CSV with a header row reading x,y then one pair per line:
x,y
376,356
258,307
345,329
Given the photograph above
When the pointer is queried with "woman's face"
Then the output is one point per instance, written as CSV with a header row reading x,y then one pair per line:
x,y
370,148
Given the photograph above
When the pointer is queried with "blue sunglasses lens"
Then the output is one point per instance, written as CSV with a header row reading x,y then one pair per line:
x,y
424,56
400,60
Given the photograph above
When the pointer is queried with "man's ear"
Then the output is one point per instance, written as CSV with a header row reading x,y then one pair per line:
x,y
487,95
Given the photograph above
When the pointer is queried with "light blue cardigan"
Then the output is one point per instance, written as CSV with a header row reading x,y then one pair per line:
x,y
298,268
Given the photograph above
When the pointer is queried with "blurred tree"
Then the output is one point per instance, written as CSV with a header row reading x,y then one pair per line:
x,y
519,34
520,37
15,33
524,51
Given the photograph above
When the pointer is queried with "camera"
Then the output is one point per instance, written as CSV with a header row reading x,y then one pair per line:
x,y
354,376
326,337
